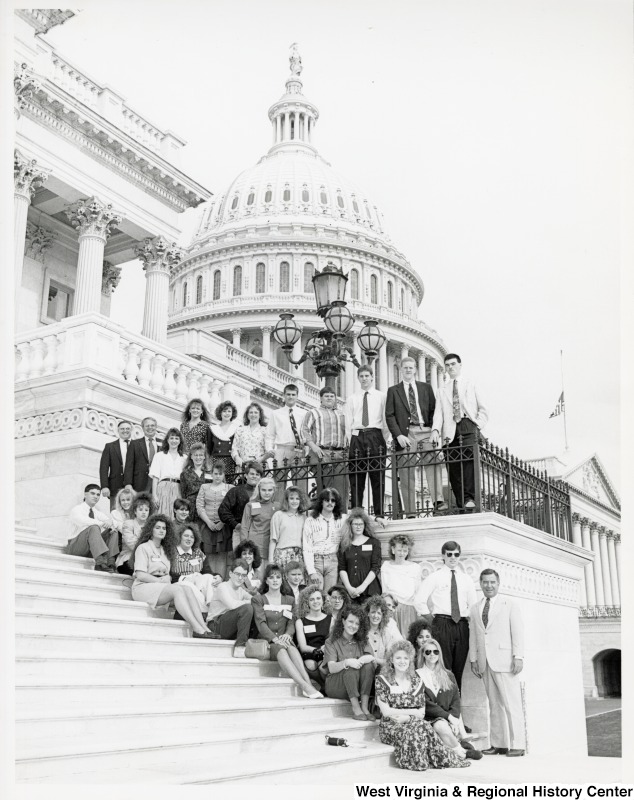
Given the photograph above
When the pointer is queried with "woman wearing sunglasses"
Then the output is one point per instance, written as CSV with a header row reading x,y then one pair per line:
x,y
442,701
321,537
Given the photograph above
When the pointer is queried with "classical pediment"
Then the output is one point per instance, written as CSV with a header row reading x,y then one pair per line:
x,y
591,478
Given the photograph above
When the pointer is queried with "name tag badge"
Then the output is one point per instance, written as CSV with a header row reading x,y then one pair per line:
x,y
255,505
287,614
366,547
156,558
310,629
194,562
207,476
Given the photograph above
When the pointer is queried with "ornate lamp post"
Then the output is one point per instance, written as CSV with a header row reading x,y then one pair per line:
x,y
326,348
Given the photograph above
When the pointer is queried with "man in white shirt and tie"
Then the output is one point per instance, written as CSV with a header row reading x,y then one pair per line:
x,y
460,413
496,653
93,532
113,461
449,594
367,432
283,437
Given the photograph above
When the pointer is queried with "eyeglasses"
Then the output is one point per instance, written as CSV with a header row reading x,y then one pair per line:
x,y
452,555
432,652
330,500
239,574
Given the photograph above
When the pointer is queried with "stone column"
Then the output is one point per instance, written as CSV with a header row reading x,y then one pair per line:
x,y
27,178
576,538
235,333
158,258
614,580
605,567
434,376
422,374
617,552
93,220
598,580
589,568
266,343
383,374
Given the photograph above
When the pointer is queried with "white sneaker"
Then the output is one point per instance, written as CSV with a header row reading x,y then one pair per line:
x,y
470,504
239,652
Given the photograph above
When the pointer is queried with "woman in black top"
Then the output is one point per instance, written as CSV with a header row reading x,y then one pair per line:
x,y
359,556
312,628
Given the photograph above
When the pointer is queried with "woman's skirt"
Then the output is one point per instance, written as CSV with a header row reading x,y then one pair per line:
x,y
147,592
202,587
283,555
166,493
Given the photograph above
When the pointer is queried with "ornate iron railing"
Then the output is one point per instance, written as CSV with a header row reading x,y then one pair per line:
x,y
502,483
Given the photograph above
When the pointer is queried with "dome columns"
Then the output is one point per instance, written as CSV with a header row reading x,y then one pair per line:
x,y
235,337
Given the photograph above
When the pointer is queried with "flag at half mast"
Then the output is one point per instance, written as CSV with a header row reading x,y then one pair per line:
x,y
559,408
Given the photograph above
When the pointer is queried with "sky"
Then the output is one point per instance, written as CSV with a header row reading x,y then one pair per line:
x,y
493,136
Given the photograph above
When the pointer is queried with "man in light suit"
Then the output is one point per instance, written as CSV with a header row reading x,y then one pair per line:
x,y
113,460
136,473
496,653
460,413
409,411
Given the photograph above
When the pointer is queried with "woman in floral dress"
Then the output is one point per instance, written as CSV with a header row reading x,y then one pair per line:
x,y
195,423
400,694
248,443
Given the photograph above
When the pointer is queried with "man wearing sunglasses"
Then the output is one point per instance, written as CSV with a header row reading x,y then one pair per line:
x,y
449,594
496,653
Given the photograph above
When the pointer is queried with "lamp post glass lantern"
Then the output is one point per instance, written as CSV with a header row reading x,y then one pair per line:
x,y
326,348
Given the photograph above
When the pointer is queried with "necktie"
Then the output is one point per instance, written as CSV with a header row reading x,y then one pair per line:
x,y
485,612
455,606
365,414
91,514
457,413
294,426
151,450
412,407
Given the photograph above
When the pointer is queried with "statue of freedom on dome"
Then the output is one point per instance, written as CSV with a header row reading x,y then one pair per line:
x,y
295,60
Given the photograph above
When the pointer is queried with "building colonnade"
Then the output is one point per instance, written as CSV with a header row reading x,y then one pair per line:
x,y
600,592
93,219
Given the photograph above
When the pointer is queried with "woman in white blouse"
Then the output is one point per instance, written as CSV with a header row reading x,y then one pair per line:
x,y
165,472
402,579
248,442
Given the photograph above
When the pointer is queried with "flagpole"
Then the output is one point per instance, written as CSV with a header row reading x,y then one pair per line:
x,y
563,394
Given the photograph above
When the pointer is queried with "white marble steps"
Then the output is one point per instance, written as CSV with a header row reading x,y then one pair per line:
x,y
92,624
77,587
33,555
83,607
226,745
198,666
36,693
99,721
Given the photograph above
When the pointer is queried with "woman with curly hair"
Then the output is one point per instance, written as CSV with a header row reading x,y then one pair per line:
x,y
418,634
153,555
142,507
312,628
220,437
402,579
249,552
442,701
336,600
400,694
248,443
321,537
273,615
165,471
383,631
350,662
359,557
195,424
287,525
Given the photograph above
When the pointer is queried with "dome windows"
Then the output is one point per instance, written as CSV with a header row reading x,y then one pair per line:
x,y
286,196
237,280
354,284
340,201
251,198
260,278
216,285
309,271
285,277
268,197
305,195
199,290
185,294
374,289
355,206
390,294
234,202
323,196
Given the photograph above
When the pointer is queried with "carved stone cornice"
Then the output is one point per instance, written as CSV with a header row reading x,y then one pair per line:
x,y
593,526
43,19
27,176
576,517
585,522
602,531
37,241
92,217
25,84
158,255
617,538
110,277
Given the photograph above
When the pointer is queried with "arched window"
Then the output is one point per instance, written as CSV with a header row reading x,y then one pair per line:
x,y
354,284
323,196
285,277
185,294
305,195
237,280
286,196
234,203
260,278
402,300
199,289
340,201
216,291
390,294
251,199
268,196
309,271
374,289
355,205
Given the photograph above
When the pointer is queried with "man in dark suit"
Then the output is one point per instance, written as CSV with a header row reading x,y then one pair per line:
x,y
113,460
136,472
409,411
